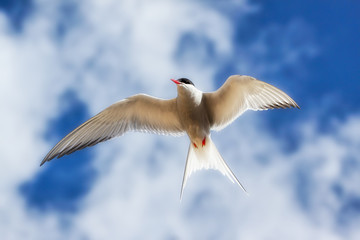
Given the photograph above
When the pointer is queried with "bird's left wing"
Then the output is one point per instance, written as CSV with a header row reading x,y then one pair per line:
x,y
240,93
137,113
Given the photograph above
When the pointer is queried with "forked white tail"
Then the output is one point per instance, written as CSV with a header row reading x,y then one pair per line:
x,y
206,157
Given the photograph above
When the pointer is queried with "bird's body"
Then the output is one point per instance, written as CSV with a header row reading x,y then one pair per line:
x,y
192,112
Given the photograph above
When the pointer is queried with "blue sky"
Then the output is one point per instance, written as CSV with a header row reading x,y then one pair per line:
x,y
64,61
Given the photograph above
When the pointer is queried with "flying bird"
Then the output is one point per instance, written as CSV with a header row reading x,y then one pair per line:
x,y
192,112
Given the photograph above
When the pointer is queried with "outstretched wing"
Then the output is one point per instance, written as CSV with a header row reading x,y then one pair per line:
x,y
138,113
240,93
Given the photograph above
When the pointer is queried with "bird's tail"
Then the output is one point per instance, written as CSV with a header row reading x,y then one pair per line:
x,y
206,157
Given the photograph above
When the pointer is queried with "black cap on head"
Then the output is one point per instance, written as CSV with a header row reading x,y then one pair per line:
x,y
186,81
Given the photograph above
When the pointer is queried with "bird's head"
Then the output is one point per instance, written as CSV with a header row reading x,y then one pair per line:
x,y
186,88
182,81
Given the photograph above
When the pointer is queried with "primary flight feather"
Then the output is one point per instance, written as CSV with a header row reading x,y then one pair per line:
x,y
192,112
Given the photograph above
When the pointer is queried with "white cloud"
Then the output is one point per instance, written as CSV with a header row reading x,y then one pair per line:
x,y
116,49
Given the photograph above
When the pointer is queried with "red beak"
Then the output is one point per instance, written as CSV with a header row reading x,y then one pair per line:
x,y
175,81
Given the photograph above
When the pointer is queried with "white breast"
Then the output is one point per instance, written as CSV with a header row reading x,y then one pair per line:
x,y
192,112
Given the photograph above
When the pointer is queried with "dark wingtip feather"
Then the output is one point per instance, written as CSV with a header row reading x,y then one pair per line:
x,y
43,161
47,158
294,105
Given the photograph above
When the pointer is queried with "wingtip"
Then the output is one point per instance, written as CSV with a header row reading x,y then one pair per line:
x,y
296,106
42,163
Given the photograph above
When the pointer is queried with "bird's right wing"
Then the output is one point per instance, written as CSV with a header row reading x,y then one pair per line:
x,y
240,93
138,113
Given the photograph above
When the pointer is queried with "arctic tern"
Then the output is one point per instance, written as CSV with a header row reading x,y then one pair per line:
x,y
193,112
